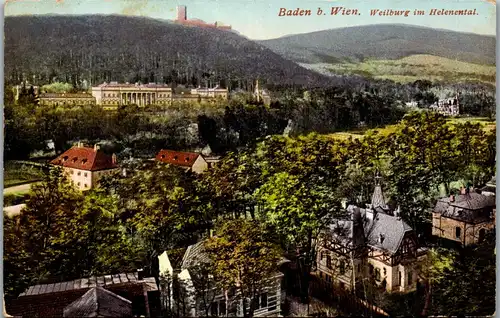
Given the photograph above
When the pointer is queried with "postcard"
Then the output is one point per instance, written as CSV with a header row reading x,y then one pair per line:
x,y
249,158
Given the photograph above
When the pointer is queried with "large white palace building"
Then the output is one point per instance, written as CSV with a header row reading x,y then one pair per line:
x,y
114,94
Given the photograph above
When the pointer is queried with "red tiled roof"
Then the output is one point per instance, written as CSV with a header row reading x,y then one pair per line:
x,y
85,158
184,159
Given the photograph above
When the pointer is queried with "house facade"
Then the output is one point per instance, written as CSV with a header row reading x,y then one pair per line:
x,y
111,95
464,218
373,244
84,166
66,99
191,161
201,297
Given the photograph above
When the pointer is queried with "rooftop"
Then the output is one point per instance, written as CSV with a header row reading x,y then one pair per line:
x,y
178,158
65,95
90,282
85,158
137,85
99,302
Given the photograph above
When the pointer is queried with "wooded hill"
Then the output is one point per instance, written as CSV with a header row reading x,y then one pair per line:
x,y
383,41
98,48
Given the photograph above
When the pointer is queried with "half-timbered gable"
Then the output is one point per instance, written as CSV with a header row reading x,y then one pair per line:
x,y
373,241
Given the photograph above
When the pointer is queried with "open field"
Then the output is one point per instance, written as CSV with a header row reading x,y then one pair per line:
x,y
415,67
18,174
487,124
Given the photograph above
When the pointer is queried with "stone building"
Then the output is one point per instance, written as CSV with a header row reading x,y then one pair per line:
x,y
66,99
114,94
189,160
370,244
447,107
464,218
85,165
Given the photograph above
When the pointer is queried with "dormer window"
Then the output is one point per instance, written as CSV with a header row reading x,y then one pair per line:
x,y
175,157
163,156
75,159
84,160
187,159
65,158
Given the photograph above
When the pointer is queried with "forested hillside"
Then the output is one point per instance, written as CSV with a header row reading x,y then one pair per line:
x,y
117,48
383,41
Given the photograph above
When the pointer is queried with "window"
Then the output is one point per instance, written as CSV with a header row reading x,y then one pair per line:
x,y
377,274
359,268
71,171
342,267
79,173
85,174
399,278
458,232
342,285
371,269
329,262
409,278
78,183
385,272
218,308
260,301
482,233
85,185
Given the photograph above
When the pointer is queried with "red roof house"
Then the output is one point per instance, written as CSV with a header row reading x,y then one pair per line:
x,y
190,160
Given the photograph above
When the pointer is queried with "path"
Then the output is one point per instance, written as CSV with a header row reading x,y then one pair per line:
x,y
23,188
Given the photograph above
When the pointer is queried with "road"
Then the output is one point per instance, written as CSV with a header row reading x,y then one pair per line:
x,y
23,188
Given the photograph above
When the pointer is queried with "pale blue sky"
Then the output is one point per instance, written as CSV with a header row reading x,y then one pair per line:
x,y
258,19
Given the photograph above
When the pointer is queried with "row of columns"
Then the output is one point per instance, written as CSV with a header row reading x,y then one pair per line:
x,y
141,99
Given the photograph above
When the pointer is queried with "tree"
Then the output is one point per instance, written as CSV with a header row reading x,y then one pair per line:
x,y
432,271
298,209
243,259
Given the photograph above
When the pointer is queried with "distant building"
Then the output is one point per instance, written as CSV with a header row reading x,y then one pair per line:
x,y
13,210
464,218
114,94
117,295
86,165
66,99
189,160
198,291
18,89
372,243
490,187
447,107
261,94
183,19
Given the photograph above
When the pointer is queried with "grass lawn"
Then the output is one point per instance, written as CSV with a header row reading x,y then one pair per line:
x,y
418,66
16,174
487,124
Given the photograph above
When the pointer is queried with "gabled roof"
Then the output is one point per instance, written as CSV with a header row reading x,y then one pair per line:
x,y
99,302
195,254
391,228
85,158
362,229
470,201
184,159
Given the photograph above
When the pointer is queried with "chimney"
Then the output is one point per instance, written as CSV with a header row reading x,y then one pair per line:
x,y
96,147
381,238
113,159
140,274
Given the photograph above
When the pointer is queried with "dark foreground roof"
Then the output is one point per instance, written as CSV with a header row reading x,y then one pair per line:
x,y
99,302
50,300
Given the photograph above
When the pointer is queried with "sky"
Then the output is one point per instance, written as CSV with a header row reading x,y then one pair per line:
x,y
258,19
